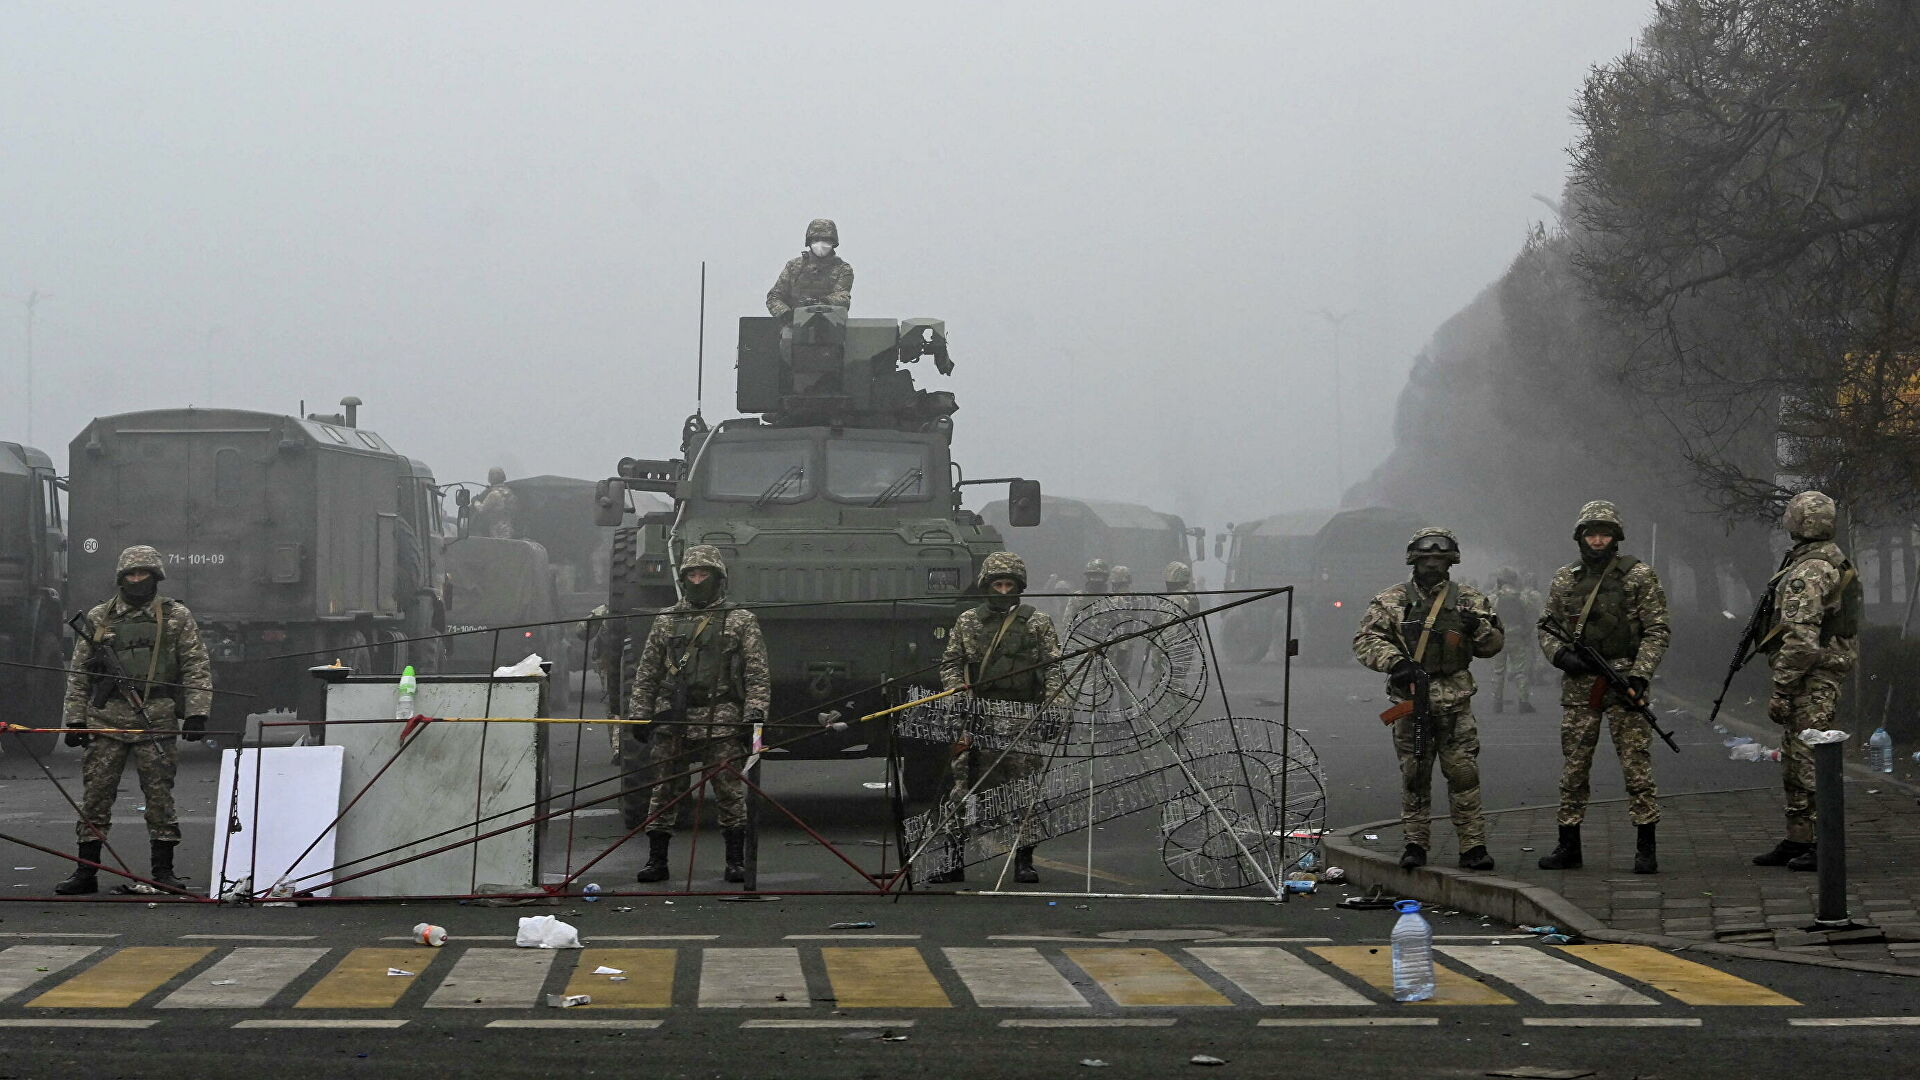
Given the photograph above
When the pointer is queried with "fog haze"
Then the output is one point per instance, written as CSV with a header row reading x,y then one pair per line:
x,y
488,222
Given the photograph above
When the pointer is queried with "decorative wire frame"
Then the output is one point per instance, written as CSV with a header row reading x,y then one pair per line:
x,y
1264,800
1140,690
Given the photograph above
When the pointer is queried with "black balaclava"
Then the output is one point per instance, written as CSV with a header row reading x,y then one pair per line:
x,y
1598,559
1003,602
139,593
703,594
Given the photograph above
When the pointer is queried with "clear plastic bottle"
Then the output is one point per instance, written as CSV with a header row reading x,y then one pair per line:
x,y
1880,750
1412,954
403,695
590,893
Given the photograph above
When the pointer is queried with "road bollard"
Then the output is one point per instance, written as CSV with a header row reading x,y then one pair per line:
x,y
1830,804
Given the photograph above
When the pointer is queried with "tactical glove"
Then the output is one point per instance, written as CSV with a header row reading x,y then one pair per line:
x,y
1402,674
1572,662
194,728
1470,621
77,735
1639,686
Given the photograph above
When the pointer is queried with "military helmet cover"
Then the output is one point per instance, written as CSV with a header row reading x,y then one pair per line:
x,y
1600,512
496,475
1507,575
1433,540
1810,516
1179,573
141,557
703,555
1122,574
1003,564
823,229
1096,567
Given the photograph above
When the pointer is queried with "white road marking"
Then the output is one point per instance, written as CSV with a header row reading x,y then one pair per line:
x,y
1854,1021
1049,937
1272,941
1551,979
851,937
58,937
247,937
39,1022
1277,977
23,965
1610,1021
623,1025
254,975
1349,1021
341,1023
1013,978
803,1024
752,979
494,979
1086,1022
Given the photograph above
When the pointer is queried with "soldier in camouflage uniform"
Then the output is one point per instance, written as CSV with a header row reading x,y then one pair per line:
x,y
817,275
159,645
1818,602
987,649
1094,584
714,652
493,510
1434,625
1516,605
1179,588
602,636
1616,604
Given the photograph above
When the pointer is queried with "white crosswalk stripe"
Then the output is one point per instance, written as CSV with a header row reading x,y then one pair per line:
x,y
243,979
752,979
1277,977
23,965
1552,980
1013,979
494,979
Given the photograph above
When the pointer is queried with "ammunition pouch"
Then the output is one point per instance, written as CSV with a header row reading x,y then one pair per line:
x,y
1449,649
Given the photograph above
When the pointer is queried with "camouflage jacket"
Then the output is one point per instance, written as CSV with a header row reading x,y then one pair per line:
x,y
1080,601
165,704
1379,644
1646,603
968,640
493,512
743,647
807,277
1804,595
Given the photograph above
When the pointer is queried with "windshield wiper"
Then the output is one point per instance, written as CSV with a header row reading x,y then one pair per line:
x,y
906,480
779,487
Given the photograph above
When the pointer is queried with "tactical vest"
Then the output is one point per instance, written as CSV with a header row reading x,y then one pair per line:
x,y
1509,606
1843,621
994,675
1448,650
133,640
1609,627
701,659
814,279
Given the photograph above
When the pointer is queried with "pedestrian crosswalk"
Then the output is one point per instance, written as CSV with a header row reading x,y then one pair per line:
x,y
1111,980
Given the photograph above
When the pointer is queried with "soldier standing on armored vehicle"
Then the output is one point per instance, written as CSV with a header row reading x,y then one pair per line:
x,y
1424,633
1615,604
157,644
1818,600
703,668
818,275
1516,605
493,510
999,650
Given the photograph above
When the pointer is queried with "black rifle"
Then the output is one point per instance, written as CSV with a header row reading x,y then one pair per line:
x,y
109,675
1749,642
1419,706
1610,678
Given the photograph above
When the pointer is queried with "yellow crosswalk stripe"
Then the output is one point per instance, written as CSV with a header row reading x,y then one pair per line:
x,y
122,978
1144,977
1695,984
883,977
360,979
648,974
1373,965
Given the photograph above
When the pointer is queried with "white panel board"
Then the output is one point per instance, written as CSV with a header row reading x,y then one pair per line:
x,y
446,777
299,791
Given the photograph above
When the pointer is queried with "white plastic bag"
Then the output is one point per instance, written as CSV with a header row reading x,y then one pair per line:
x,y
1816,737
529,666
546,932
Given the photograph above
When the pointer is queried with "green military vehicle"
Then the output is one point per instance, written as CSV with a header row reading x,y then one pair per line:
x,y
33,586
1263,554
839,504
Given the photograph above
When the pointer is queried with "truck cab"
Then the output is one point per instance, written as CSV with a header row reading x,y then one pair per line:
x,y
33,588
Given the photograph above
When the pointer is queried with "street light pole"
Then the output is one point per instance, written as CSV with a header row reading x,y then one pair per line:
x,y
1335,319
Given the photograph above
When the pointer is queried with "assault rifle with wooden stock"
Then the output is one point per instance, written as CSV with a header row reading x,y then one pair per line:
x,y
1609,678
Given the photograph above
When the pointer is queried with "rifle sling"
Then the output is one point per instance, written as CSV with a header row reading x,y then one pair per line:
x,y
1426,628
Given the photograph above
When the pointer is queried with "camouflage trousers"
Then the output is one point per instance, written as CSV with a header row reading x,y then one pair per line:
x,y
678,755
1455,739
101,766
1632,741
973,773
1512,666
1813,707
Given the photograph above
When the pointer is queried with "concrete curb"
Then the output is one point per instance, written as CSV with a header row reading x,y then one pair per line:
x,y
1522,904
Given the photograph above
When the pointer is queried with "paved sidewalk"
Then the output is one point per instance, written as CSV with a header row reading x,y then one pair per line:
x,y
1708,890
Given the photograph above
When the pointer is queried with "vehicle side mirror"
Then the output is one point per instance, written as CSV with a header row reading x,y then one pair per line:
x,y
609,502
1219,545
1023,503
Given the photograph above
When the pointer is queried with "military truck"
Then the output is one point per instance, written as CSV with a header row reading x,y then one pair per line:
x,y
1126,534
499,583
33,587
839,502
1264,554
294,540
1355,555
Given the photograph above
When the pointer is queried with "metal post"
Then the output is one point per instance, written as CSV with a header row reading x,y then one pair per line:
x,y
1830,803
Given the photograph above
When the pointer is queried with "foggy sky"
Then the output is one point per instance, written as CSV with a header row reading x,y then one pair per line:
x,y
487,220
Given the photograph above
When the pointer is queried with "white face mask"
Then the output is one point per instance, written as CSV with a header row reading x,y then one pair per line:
x,y
820,248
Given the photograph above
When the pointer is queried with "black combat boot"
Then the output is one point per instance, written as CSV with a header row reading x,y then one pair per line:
x,y
1566,856
1783,853
1023,871
1646,858
736,854
84,879
656,868
1476,858
1415,855
1806,860
163,866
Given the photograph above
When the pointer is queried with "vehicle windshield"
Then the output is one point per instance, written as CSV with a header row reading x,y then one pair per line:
x,y
750,470
867,471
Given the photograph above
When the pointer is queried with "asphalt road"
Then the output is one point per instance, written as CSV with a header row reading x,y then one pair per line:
x,y
961,977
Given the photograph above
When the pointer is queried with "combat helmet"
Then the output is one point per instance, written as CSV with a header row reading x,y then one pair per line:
x,y
1810,516
1096,567
1434,540
1121,576
142,557
703,555
1600,512
823,229
496,475
1506,575
1179,573
1004,564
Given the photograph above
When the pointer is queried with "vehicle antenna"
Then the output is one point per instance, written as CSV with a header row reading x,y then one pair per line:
x,y
700,361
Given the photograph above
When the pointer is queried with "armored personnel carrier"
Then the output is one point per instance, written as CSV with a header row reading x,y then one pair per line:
x,y
33,583
839,505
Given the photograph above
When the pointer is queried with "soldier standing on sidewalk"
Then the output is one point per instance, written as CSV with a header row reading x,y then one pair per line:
x,y
1818,601
1615,604
1432,627
1516,605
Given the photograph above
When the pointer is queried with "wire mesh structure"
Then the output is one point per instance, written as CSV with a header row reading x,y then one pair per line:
x,y
1256,804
